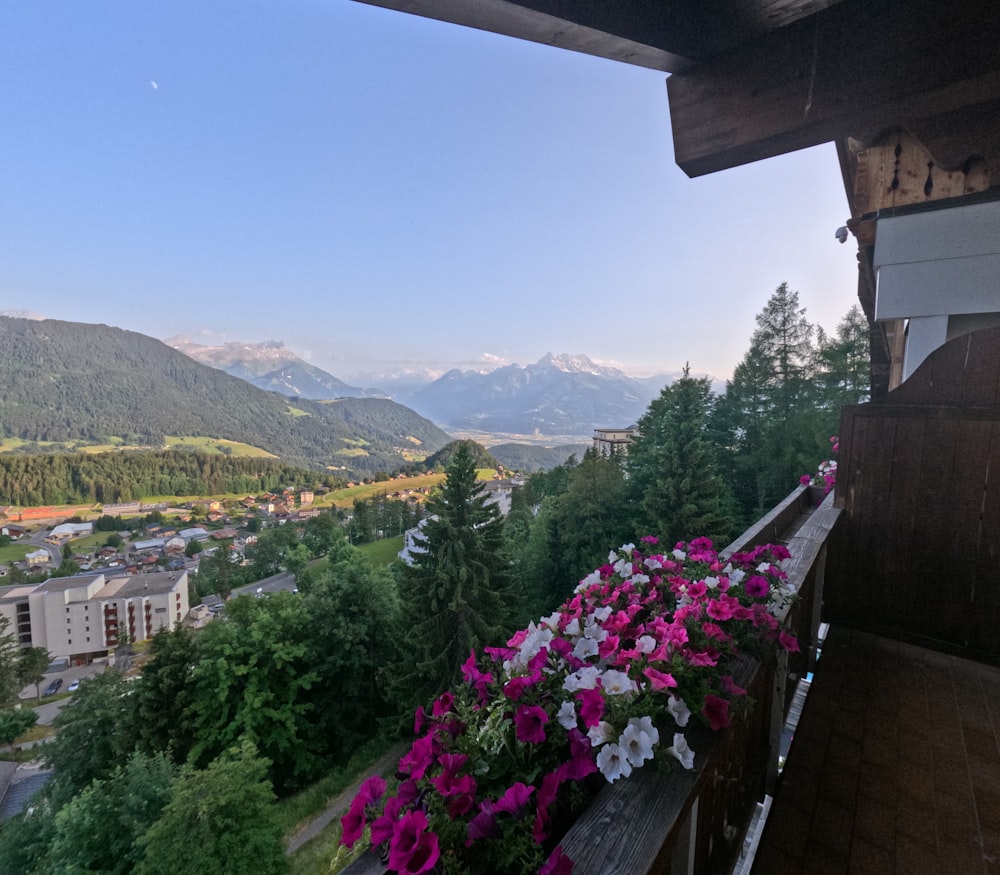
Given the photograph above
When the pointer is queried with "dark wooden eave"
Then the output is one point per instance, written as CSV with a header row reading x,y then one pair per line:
x,y
757,78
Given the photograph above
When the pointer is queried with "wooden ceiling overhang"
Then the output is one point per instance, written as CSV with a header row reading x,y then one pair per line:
x,y
751,79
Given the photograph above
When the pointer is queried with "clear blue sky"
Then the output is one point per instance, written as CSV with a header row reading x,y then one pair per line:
x,y
375,188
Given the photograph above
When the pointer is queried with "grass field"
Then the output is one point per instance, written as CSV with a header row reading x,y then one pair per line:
x,y
14,553
382,552
217,445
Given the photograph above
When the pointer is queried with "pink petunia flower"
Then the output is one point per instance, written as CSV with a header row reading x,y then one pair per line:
x,y
529,724
716,711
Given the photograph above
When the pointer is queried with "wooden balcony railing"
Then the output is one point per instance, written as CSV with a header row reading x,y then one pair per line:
x,y
693,822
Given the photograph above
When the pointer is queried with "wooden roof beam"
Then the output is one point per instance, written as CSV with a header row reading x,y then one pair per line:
x,y
646,33
861,65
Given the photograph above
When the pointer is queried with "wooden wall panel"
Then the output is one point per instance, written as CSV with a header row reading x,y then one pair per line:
x,y
919,481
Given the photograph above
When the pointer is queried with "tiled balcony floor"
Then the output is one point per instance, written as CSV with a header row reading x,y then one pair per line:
x,y
895,767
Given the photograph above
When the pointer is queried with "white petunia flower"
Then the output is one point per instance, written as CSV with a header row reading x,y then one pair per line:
x,y
617,683
712,582
680,749
646,725
595,630
582,679
566,715
645,644
637,743
623,568
653,563
679,709
585,647
679,555
601,614
573,628
639,579
612,762
601,734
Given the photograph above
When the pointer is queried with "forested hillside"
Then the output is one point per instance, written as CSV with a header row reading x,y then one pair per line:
x,y
91,384
75,478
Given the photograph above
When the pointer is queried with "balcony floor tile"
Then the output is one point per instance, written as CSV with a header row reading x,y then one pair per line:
x,y
895,766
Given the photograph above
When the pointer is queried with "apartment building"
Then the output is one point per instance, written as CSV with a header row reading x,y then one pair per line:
x,y
86,615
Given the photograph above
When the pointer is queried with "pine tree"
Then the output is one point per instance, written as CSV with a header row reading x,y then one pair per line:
x,y
845,362
457,595
773,421
672,467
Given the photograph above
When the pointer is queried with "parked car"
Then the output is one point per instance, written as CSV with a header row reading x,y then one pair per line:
x,y
53,688
73,686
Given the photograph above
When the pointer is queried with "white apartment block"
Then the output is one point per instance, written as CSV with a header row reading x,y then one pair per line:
x,y
84,616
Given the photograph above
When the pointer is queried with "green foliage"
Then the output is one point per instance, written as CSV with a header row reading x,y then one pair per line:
x,y
10,679
31,665
457,594
581,508
129,476
775,420
97,830
164,696
220,820
673,474
15,722
92,735
352,608
480,456
252,682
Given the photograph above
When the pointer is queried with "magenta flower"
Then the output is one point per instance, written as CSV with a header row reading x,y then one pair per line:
x,y
515,800
557,864
757,586
529,724
716,711
413,849
484,824
591,706
659,680
372,789
788,642
352,824
443,704
447,782
421,755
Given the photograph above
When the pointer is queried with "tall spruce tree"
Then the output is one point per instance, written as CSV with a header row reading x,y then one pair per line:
x,y
457,594
677,489
773,421
845,362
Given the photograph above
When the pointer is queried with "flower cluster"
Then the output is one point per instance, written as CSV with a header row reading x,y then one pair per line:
x,y
826,473
595,690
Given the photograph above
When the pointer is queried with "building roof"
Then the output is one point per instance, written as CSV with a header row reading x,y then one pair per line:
x,y
63,584
156,583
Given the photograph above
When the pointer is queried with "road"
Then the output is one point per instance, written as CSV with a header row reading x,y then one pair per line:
x,y
283,582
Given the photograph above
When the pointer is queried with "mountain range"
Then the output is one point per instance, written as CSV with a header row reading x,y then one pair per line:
x,y
271,366
66,384
557,395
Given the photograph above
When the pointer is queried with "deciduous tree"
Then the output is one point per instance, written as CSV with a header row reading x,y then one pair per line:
x,y
220,820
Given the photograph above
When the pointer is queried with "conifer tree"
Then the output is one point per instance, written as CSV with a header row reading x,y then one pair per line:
x,y
456,596
676,485
773,421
